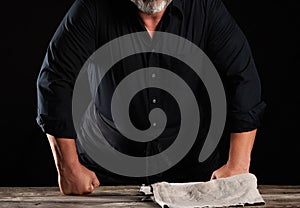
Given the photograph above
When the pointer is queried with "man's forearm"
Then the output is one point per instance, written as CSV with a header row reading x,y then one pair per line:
x,y
73,177
64,152
241,145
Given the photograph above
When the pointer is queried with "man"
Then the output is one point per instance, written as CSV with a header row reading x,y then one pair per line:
x,y
90,24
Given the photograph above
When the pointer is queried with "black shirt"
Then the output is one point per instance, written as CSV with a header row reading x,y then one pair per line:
x,y
89,24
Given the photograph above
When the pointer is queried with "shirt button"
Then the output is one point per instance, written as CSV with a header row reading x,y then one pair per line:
x,y
154,124
154,101
153,75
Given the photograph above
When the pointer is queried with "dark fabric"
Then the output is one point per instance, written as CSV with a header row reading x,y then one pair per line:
x,y
187,170
89,24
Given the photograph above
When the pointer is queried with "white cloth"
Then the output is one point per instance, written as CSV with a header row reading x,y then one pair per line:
x,y
238,190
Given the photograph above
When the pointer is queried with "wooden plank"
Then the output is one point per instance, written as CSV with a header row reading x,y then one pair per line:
x,y
51,195
122,196
78,205
104,196
54,191
279,189
280,196
279,186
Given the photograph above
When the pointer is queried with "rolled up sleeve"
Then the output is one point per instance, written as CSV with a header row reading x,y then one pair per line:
x,y
230,52
71,45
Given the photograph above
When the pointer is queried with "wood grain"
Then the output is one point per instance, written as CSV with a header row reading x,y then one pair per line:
x,y
122,196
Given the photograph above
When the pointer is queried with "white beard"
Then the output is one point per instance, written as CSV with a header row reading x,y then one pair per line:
x,y
151,6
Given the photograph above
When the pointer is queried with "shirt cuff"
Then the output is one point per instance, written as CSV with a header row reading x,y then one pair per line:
x,y
243,122
59,128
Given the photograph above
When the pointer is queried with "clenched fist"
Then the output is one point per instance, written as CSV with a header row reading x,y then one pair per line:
x,y
77,180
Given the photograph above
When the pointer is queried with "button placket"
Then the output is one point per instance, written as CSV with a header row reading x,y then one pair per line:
x,y
154,94
153,77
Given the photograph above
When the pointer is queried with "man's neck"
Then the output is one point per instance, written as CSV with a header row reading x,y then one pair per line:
x,y
151,20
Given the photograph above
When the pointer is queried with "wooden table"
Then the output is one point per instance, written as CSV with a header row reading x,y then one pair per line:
x,y
121,196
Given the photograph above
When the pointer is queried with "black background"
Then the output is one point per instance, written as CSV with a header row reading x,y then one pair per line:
x,y
27,27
